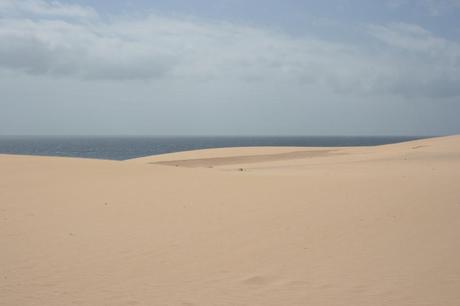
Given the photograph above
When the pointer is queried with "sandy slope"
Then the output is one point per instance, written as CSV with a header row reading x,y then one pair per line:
x,y
240,226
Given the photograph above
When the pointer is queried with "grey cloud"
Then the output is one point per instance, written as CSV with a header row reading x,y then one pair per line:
x,y
439,7
425,65
155,47
430,7
57,49
434,87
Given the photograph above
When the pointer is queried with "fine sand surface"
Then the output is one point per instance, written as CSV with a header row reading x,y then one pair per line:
x,y
238,226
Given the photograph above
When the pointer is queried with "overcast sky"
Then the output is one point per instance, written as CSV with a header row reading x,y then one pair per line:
x,y
230,67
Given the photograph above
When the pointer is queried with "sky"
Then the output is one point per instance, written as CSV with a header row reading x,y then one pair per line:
x,y
229,67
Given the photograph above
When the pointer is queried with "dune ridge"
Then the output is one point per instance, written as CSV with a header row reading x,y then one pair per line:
x,y
235,226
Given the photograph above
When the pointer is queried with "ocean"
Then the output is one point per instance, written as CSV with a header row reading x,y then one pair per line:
x,y
126,147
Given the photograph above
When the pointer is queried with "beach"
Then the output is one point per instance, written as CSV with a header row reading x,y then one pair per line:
x,y
235,226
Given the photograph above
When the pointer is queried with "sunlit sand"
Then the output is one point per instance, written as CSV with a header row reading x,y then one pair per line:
x,y
236,226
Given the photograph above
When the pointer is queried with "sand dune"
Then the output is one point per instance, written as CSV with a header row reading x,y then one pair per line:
x,y
235,226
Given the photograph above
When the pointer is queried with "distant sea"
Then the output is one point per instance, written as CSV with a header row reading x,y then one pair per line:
x,y
126,147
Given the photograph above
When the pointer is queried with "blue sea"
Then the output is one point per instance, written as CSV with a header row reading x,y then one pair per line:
x,y
126,147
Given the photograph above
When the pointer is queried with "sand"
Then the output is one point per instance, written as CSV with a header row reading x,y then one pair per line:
x,y
237,226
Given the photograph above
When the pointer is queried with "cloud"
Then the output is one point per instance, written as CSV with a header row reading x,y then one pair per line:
x,y
410,62
155,46
434,8
44,8
440,7
424,64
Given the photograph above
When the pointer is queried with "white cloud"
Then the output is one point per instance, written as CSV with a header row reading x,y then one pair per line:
x,y
155,47
45,8
407,36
